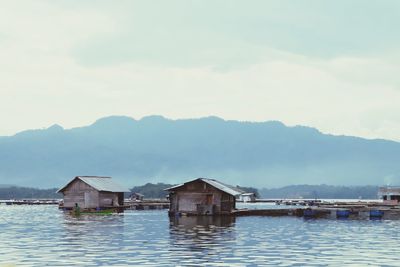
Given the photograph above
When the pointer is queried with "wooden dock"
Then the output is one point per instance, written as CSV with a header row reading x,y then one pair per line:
x,y
267,212
150,204
343,211
30,202
314,209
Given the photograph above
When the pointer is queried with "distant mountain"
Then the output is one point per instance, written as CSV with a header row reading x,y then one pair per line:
x,y
321,191
6,185
150,190
15,192
155,149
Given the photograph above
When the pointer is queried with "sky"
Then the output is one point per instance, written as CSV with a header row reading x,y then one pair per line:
x,y
333,65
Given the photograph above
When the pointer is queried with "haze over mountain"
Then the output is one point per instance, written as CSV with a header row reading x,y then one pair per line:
x,y
156,149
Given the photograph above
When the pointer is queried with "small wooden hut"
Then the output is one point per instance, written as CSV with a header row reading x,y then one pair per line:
x,y
92,192
247,197
389,194
137,197
203,196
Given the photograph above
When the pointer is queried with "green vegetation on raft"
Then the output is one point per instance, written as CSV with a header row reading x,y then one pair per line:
x,y
99,212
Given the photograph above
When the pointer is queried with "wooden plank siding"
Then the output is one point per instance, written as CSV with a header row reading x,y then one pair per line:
x,y
75,193
188,199
88,197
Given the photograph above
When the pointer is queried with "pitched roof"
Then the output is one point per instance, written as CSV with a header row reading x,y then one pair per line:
x,y
248,194
234,191
99,183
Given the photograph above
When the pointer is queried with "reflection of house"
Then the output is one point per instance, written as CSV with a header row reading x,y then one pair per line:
x,y
192,222
389,194
247,197
202,234
203,197
93,192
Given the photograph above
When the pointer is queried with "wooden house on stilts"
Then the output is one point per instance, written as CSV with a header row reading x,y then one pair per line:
x,y
93,192
203,196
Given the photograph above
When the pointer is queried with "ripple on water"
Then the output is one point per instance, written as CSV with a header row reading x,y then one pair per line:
x,y
43,235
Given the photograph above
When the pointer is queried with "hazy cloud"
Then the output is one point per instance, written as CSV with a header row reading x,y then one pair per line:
x,y
317,63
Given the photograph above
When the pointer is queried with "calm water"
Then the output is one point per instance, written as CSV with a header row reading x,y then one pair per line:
x,y
40,236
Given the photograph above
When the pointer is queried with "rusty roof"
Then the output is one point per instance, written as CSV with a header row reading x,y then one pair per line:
x,y
100,183
231,190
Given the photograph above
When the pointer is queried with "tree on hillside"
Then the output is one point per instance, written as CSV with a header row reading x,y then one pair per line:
x,y
150,190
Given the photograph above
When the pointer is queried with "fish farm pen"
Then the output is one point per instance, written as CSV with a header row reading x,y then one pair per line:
x,y
148,204
327,210
299,208
30,202
340,212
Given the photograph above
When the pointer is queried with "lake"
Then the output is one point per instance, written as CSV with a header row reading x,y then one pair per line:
x,y
44,235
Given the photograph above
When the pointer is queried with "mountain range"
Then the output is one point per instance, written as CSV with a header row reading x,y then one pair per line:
x,y
156,149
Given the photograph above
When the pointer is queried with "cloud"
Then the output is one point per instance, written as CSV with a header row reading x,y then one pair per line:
x,y
71,63
226,34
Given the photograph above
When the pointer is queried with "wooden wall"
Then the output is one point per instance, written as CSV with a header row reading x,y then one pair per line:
x,y
228,202
75,193
187,198
107,199
88,197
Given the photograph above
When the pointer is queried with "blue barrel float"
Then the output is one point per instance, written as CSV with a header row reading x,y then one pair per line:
x,y
342,214
376,214
309,213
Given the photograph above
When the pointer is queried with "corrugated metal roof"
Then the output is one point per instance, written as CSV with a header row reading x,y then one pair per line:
x,y
247,194
223,187
175,186
217,184
99,183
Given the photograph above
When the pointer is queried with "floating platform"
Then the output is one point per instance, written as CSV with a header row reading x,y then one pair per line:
x,y
146,205
131,205
31,201
75,212
300,212
349,212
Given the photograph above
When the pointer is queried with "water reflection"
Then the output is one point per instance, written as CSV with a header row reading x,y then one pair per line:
x,y
88,237
87,227
38,236
190,222
202,239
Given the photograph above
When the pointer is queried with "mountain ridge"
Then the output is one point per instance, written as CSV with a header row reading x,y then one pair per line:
x,y
157,149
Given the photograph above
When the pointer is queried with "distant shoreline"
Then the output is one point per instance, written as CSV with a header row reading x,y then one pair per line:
x,y
150,190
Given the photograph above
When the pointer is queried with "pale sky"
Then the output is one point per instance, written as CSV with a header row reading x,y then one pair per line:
x,y
333,65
